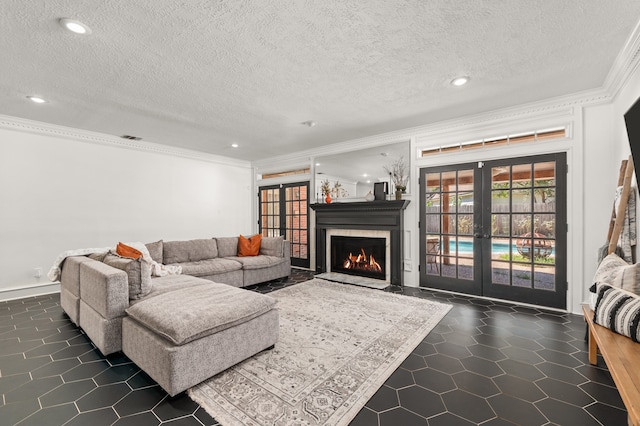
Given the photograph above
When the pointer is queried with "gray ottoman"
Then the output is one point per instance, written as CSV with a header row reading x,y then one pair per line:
x,y
186,336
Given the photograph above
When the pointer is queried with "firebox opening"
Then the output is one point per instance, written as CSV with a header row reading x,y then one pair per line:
x,y
362,256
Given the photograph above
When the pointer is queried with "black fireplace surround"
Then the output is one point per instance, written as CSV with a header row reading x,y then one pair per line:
x,y
371,215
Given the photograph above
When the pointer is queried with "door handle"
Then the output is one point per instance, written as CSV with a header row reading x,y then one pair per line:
x,y
477,235
487,236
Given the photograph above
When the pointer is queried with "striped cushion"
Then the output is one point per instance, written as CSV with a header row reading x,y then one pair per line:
x,y
618,310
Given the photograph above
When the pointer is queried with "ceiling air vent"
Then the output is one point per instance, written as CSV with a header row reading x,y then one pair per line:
x,y
131,138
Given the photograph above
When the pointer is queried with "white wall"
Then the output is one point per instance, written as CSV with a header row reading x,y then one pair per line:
x,y
600,179
60,193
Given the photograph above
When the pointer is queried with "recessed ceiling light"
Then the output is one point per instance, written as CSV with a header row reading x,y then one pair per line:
x,y
234,145
317,164
365,175
460,81
75,26
309,123
36,99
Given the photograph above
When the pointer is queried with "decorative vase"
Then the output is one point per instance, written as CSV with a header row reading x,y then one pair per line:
x,y
328,199
399,191
398,195
369,196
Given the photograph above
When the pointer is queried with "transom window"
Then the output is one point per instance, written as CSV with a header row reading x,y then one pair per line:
x,y
518,138
286,173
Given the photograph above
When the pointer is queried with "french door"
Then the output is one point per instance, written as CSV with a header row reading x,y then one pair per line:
x,y
496,229
284,210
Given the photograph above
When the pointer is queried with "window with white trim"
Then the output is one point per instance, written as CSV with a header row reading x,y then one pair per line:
x,y
517,138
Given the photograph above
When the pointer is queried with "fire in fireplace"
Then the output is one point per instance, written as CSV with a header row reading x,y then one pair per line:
x,y
361,256
361,262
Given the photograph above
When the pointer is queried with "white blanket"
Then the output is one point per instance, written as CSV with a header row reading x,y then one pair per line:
x,y
157,269
627,239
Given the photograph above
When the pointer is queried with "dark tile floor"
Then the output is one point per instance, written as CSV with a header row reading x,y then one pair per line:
x,y
486,363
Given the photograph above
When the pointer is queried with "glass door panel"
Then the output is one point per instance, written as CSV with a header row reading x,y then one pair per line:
x,y
492,229
285,211
526,258
270,211
448,217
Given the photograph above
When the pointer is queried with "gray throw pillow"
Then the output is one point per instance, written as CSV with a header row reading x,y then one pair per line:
x,y
272,246
138,274
155,250
613,270
98,256
227,246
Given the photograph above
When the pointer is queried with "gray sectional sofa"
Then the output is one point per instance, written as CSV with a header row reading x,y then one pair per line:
x,y
100,292
216,260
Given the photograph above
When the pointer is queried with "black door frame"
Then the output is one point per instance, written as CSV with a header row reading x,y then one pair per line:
x,y
282,215
474,285
482,214
552,299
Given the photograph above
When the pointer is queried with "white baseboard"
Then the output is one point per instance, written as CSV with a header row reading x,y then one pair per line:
x,y
29,291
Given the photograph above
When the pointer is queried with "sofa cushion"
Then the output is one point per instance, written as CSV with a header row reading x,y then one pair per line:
x,y
188,314
202,268
70,275
138,274
227,246
98,256
258,262
249,246
169,283
618,310
155,251
189,251
272,246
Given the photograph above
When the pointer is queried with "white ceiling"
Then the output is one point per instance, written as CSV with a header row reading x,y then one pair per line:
x,y
204,74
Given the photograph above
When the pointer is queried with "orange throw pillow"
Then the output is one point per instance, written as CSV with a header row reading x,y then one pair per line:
x,y
127,251
249,246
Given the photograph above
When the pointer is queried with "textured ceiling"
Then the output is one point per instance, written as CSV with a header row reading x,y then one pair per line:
x,y
205,74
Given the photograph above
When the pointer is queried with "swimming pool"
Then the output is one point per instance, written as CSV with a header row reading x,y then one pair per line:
x,y
466,247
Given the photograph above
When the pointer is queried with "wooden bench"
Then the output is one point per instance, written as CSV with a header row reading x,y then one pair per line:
x,y
622,356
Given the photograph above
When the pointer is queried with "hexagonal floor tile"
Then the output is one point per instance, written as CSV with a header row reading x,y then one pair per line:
x,y
483,353
468,406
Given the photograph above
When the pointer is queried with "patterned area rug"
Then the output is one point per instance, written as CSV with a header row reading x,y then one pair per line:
x,y
338,344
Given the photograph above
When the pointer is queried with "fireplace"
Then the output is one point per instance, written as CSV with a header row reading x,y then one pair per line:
x,y
367,220
362,256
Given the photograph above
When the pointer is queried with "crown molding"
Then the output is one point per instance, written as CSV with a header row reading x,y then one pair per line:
x,y
549,108
625,64
53,130
558,108
304,157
